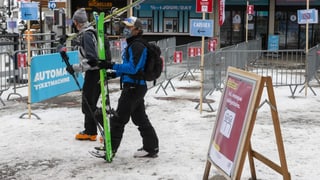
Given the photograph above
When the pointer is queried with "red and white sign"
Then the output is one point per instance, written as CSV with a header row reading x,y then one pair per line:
x,y
204,6
117,44
250,9
177,57
221,12
194,51
191,52
212,44
22,60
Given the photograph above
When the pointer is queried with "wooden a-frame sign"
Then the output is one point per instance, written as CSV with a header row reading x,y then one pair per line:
x,y
230,140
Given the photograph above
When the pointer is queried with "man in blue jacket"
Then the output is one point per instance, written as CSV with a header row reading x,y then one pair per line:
x,y
131,101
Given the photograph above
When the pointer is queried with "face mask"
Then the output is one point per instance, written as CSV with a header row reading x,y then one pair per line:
x,y
127,33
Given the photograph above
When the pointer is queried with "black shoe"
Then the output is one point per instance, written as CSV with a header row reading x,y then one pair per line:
x,y
141,153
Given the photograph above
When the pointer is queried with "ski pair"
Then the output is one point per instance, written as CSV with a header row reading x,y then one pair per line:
x,y
104,89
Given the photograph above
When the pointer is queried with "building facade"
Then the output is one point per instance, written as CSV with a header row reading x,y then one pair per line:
x,y
169,18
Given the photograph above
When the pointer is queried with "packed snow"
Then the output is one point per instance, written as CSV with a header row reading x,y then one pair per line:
x,y
45,148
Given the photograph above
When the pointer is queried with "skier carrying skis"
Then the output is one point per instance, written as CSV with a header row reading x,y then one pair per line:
x,y
87,46
131,101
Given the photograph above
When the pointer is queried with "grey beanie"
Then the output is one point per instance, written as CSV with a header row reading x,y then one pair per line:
x,y
80,16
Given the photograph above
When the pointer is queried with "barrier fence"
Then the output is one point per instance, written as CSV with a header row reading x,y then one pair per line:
x,y
19,75
313,63
5,71
286,67
290,68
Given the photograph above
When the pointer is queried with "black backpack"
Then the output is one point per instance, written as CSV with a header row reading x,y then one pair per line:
x,y
154,64
106,44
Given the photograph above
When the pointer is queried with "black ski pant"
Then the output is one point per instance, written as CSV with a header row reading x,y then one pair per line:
x,y
131,104
90,95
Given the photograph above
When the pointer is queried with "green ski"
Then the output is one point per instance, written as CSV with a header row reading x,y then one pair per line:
x,y
104,91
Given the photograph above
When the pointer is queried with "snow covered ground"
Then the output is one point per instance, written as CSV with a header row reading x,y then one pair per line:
x,y
32,149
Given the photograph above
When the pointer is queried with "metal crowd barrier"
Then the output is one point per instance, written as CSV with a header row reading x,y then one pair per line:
x,y
290,68
5,72
286,67
115,48
19,77
40,42
313,63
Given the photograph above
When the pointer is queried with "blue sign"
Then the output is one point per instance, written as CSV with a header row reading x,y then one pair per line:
x,y
12,24
52,5
201,27
29,11
308,16
273,43
49,77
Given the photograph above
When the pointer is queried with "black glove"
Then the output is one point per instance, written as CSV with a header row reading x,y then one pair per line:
x,y
103,64
63,39
111,75
70,70
93,63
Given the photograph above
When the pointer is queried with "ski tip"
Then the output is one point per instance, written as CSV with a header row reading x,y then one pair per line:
x,y
97,154
101,155
95,15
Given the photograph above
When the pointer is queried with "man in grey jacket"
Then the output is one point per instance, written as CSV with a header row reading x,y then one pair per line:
x,y
88,58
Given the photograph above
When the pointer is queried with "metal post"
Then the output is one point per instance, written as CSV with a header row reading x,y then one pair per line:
x,y
247,21
307,48
201,67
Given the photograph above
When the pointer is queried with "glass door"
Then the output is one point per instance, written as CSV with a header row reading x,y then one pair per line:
x,y
292,31
237,27
262,27
280,28
225,30
287,27
302,36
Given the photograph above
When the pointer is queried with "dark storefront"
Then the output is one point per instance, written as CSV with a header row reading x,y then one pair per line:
x,y
166,18
291,34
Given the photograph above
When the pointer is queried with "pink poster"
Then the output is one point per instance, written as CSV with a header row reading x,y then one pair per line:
x,y
231,122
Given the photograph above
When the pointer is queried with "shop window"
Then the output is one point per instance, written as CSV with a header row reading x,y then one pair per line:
x,y
237,27
226,30
171,25
147,24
